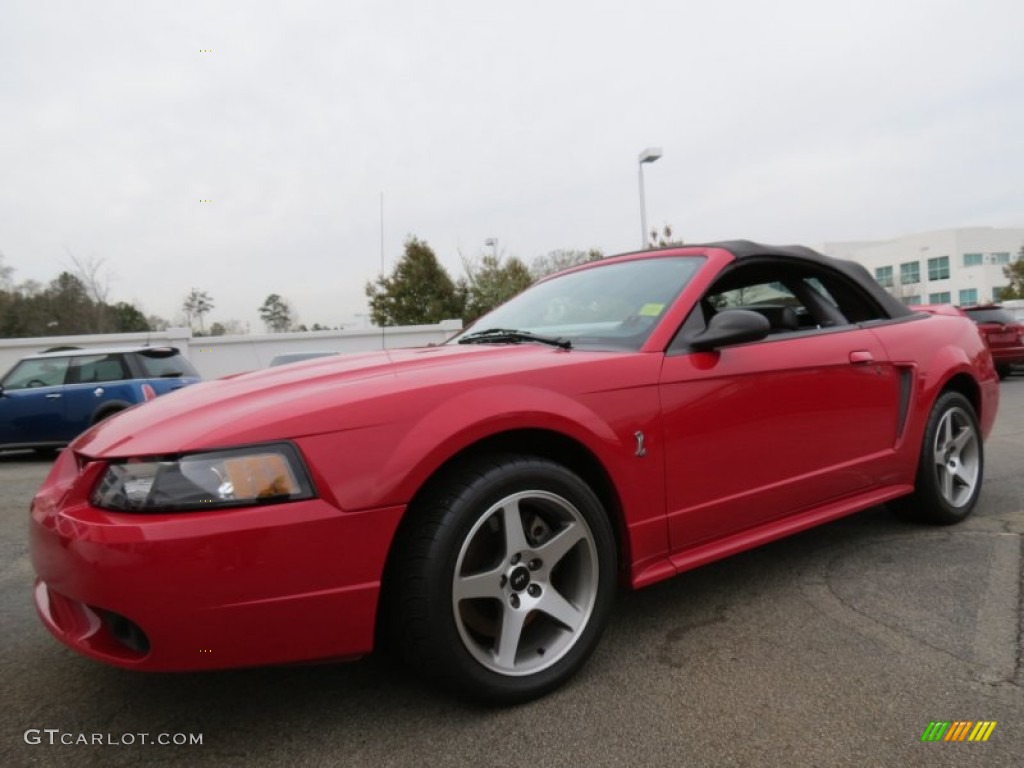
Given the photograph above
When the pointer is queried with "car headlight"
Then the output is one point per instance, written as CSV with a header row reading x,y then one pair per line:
x,y
260,474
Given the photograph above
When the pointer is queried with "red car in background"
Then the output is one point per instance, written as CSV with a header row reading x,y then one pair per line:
x,y
1003,333
473,505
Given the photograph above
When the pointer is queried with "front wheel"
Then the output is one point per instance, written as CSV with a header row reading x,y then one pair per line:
x,y
951,466
503,580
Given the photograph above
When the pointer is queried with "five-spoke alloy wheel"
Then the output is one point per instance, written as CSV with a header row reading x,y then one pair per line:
x,y
951,466
505,581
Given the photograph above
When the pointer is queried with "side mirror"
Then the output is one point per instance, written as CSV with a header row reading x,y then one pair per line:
x,y
731,326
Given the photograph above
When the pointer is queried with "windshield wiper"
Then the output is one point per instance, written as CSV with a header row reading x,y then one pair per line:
x,y
510,335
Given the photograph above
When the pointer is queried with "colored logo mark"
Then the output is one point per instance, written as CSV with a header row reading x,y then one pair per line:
x,y
959,730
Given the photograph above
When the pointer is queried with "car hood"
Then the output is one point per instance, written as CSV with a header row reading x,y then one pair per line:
x,y
318,396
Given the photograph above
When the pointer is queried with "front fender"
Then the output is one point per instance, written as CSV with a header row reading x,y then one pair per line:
x,y
475,415
386,463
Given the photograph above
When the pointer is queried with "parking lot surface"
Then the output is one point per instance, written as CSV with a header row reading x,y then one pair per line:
x,y
835,647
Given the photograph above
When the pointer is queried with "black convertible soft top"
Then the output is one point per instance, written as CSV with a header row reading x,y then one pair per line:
x,y
746,249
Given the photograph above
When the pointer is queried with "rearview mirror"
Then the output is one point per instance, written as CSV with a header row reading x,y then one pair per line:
x,y
731,326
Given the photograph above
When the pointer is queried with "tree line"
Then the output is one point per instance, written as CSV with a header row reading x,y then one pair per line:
x,y
417,291
74,302
420,291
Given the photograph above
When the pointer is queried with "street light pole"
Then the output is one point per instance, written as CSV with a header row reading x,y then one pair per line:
x,y
649,155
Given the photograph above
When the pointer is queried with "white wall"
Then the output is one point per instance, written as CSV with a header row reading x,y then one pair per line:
x,y
216,356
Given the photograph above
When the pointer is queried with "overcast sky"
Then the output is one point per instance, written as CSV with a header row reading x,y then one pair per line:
x,y
784,121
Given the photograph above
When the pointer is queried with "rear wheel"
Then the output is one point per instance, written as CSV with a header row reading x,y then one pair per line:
x,y
1004,371
503,580
951,466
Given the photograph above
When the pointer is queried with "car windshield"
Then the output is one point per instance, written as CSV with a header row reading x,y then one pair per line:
x,y
614,305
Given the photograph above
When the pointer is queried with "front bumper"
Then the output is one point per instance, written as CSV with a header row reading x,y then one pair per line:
x,y
239,587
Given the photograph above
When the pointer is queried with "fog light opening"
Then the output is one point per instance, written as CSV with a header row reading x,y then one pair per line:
x,y
127,632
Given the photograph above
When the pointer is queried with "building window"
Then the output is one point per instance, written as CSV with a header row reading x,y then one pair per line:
x,y
968,296
908,300
910,273
939,298
972,259
884,276
1000,258
938,269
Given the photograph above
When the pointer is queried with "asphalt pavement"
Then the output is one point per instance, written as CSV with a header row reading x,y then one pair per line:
x,y
836,647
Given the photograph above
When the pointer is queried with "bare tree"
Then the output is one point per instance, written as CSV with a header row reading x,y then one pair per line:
x,y
91,274
96,279
556,261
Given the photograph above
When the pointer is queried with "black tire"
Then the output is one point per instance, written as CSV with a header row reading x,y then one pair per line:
x,y
461,574
951,465
1004,371
104,415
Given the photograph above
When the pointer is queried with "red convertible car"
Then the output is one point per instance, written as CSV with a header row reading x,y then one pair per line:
x,y
475,505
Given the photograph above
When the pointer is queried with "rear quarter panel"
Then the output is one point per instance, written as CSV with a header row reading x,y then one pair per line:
x,y
937,348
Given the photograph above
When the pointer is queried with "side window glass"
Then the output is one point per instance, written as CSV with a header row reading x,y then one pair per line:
x,y
30,374
774,300
815,285
847,298
745,296
794,299
93,369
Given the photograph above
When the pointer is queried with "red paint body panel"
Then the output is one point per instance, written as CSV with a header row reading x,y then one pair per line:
x,y
773,409
742,446
227,586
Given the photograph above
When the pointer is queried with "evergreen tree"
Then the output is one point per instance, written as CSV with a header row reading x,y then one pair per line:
x,y
1015,273
276,313
127,318
418,290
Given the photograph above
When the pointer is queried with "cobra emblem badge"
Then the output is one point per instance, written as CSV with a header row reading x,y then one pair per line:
x,y
640,449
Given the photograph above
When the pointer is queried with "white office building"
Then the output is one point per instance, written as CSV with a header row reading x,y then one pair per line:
x,y
947,266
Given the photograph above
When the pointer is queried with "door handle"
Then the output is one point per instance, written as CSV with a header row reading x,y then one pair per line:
x,y
54,396
98,391
861,357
